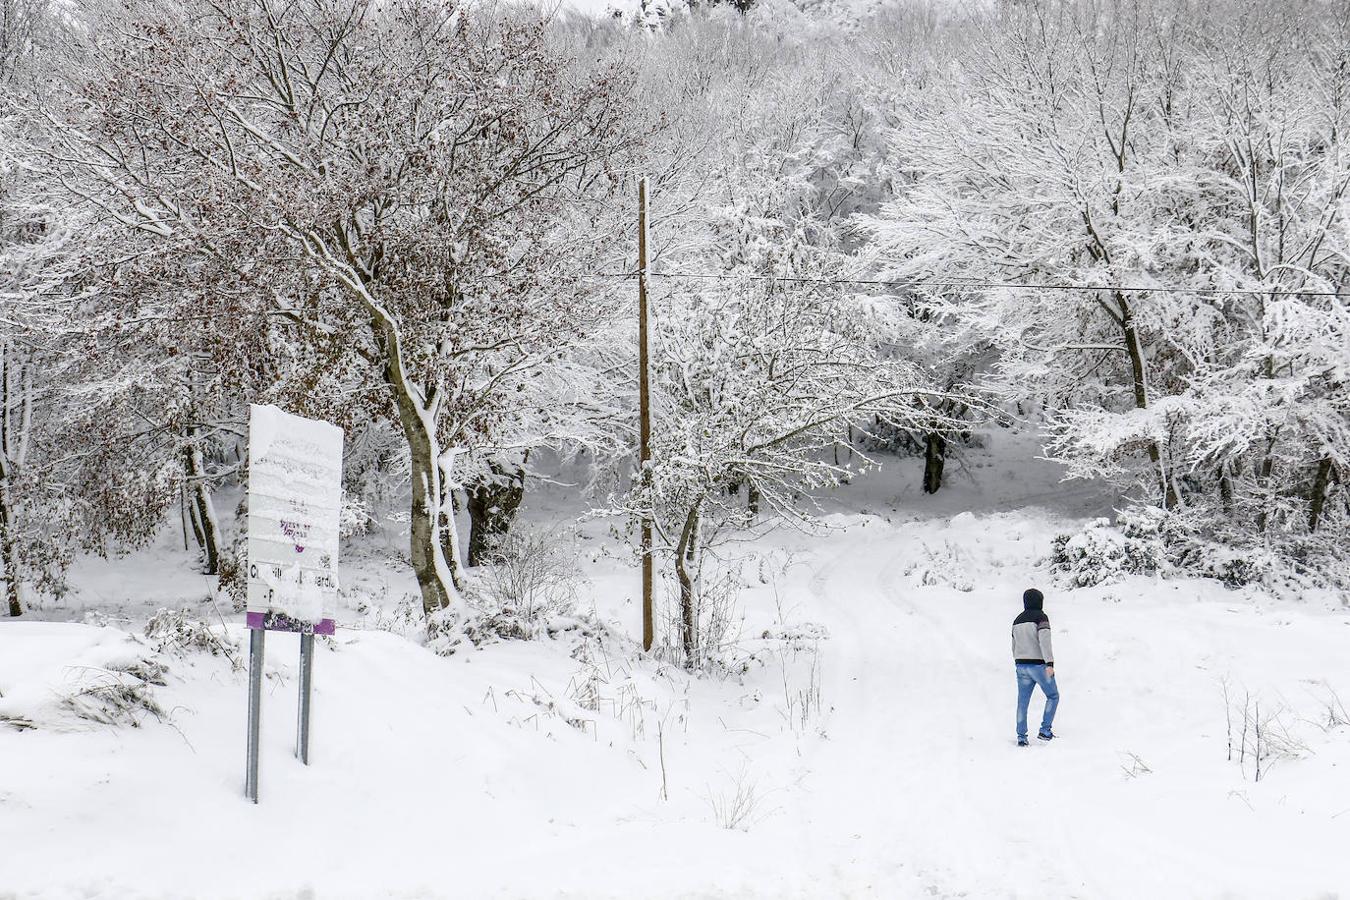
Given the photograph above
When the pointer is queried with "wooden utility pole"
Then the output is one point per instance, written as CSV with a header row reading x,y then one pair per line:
x,y
644,420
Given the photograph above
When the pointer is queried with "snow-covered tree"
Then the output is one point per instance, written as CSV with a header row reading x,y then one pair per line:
x,y
36,261
756,383
1036,166
1143,214
1264,402
390,173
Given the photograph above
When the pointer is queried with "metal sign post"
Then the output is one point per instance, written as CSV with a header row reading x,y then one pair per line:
x,y
306,681
256,636
294,507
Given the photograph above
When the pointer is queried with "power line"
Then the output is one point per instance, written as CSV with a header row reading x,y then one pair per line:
x,y
972,283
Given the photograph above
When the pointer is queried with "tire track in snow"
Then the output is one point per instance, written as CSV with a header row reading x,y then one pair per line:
x,y
905,684
863,874
871,729
973,723
839,810
944,760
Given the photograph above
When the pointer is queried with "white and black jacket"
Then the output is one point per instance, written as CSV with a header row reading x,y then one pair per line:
x,y
1031,638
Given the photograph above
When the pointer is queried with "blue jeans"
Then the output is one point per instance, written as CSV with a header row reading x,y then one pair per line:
x,y
1028,676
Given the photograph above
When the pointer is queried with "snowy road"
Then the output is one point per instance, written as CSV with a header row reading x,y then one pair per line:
x,y
924,712
920,782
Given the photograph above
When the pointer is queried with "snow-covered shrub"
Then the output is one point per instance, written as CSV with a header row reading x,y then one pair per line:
x,y
355,516
233,564
737,807
404,617
948,565
445,633
178,632
579,630
233,584
806,633
608,686
1093,556
144,668
1103,552
1259,737
1334,714
501,625
114,697
531,577
717,619
1234,565
1147,540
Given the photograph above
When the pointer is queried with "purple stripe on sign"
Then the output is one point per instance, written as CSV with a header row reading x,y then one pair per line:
x,y
275,621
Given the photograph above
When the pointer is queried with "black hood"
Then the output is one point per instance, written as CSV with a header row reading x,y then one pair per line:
x,y
1033,599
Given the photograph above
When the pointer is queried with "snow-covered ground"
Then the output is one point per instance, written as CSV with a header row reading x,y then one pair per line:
x,y
865,750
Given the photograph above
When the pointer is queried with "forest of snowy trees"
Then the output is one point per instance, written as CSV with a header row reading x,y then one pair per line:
x,y
1123,223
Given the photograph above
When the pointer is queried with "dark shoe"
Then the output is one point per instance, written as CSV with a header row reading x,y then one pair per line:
x,y
1046,736
1021,742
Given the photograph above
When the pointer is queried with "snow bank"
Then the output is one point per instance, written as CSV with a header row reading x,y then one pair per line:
x,y
74,677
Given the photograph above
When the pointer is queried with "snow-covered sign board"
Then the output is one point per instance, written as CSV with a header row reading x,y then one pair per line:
x,y
294,503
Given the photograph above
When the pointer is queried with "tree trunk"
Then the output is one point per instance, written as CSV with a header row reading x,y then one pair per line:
x,y
183,513
935,459
493,503
13,595
8,552
752,497
1263,473
684,555
1139,376
449,521
1319,493
450,539
424,534
427,553
844,479
196,524
204,511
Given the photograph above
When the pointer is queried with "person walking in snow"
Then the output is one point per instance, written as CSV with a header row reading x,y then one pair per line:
x,y
1035,664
